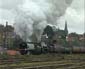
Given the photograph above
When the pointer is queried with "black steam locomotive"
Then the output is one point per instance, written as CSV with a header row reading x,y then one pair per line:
x,y
23,48
49,49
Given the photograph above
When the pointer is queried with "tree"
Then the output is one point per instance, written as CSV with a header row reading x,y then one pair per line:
x,y
49,31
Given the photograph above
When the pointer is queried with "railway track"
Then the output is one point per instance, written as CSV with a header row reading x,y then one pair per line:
x,y
74,66
69,64
10,60
56,66
49,62
19,60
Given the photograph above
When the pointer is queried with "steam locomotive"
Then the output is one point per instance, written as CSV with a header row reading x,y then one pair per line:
x,y
38,49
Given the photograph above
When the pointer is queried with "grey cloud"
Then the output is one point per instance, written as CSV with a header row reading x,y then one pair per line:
x,y
10,4
78,4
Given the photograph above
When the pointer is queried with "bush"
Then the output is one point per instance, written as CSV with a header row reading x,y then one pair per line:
x,y
4,56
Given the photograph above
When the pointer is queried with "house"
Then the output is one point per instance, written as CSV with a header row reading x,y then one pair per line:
x,y
1,34
61,33
6,35
81,37
72,37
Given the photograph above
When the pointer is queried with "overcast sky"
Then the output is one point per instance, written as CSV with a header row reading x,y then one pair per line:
x,y
75,17
74,14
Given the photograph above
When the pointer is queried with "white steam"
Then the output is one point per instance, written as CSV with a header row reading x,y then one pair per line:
x,y
34,15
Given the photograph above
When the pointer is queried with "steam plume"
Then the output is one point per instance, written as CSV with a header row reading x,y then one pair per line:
x,y
34,15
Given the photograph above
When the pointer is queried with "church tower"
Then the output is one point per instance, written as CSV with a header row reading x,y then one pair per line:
x,y
66,28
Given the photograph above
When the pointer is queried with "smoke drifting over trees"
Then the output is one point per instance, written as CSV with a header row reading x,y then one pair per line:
x,y
32,16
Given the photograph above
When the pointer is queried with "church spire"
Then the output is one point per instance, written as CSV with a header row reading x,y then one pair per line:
x,y
66,29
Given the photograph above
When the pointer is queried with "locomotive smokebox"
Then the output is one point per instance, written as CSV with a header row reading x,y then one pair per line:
x,y
23,48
